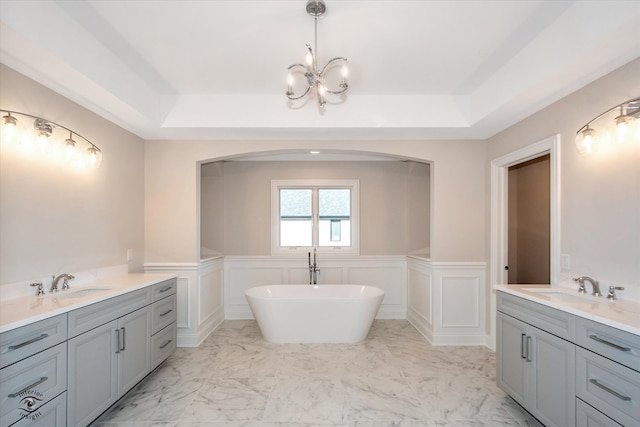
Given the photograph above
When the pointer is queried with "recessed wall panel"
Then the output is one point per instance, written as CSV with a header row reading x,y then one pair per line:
x,y
420,294
460,302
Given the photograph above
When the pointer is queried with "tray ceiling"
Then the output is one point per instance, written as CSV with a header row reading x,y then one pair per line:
x,y
216,69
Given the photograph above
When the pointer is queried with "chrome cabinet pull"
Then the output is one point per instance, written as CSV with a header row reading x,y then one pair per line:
x,y
610,344
165,313
528,348
18,393
608,390
165,290
165,344
124,343
31,341
523,337
117,341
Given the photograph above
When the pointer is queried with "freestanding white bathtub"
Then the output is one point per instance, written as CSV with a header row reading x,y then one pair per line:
x,y
314,313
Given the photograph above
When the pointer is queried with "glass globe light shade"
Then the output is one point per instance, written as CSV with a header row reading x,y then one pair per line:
x,y
9,129
69,149
586,142
94,156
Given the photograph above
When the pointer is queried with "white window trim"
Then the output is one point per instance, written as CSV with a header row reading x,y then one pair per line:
x,y
297,251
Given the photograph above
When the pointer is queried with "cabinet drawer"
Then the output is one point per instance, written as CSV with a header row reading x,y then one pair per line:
x,y
163,313
163,344
51,414
609,387
548,319
36,379
164,289
86,318
590,417
20,343
609,342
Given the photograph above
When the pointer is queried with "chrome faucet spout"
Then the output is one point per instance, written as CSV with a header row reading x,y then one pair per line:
x,y
65,282
594,284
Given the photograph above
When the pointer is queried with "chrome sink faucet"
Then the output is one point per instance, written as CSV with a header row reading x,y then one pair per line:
x,y
65,282
313,269
612,292
594,285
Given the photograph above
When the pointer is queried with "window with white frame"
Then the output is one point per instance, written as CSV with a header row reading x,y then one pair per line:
x,y
309,214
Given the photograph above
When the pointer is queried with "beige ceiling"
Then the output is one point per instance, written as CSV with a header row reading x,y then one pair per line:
x,y
216,69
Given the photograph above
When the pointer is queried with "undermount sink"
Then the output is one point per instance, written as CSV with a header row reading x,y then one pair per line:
x,y
81,293
566,297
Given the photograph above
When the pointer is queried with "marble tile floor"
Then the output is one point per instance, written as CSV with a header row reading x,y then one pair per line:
x,y
393,378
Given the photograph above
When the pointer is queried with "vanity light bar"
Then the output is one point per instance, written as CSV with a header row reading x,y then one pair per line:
x,y
42,137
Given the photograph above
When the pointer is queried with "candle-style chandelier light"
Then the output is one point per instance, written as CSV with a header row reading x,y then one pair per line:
x,y
315,79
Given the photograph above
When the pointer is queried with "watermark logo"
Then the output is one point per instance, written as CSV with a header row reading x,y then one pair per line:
x,y
29,407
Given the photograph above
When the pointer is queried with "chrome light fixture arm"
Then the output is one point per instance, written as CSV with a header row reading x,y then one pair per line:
x,y
344,86
310,79
44,128
587,139
632,108
315,79
47,126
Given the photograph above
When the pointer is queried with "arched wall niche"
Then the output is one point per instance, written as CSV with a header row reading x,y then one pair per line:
x,y
458,209
234,199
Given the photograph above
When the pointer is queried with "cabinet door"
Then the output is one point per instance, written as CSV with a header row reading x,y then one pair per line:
x,y
134,349
93,364
552,386
511,362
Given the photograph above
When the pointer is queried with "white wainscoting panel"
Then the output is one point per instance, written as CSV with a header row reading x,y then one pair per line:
x,y
200,297
333,274
447,301
460,301
388,273
420,296
211,291
183,302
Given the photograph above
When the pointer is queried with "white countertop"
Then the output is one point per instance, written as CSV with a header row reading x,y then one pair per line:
x,y
21,311
620,314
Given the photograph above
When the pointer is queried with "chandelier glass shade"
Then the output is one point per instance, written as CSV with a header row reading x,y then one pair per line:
x,y
306,79
623,126
49,139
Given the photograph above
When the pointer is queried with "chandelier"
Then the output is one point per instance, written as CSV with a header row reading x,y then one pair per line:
x,y
316,80
624,127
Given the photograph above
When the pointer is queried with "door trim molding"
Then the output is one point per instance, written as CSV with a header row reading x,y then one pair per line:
x,y
499,214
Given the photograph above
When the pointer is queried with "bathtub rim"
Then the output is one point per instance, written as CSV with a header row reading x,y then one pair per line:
x,y
257,292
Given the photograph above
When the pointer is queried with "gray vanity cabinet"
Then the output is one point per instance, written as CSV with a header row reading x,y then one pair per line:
x,y
93,374
80,363
512,369
588,416
53,413
134,361
33,373
535,367
107,361
163,321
